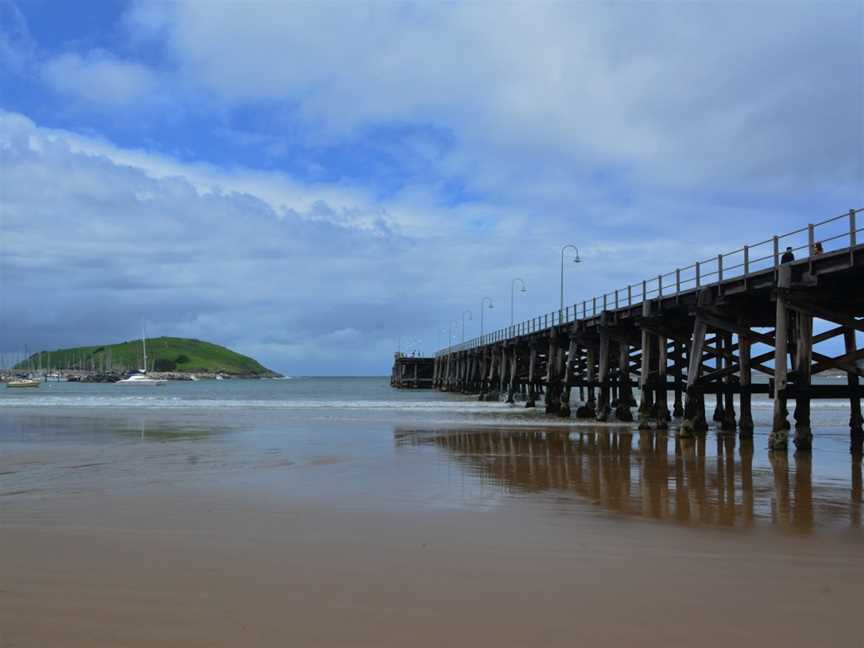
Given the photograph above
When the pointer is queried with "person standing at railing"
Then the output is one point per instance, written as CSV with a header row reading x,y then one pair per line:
x,y
788,256
817,249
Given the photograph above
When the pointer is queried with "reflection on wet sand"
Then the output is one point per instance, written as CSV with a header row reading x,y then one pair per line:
x,y
654,476
99,429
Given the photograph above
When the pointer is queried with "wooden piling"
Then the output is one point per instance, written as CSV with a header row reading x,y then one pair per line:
x,y
553,384
678,363
514,364
661,400
625,395
580,371
503,372
476,371
745,377
728,422
589,408
487,392
602,413
718,364
856,423
568,377
645,401
532,376
694,405
803,357
779,438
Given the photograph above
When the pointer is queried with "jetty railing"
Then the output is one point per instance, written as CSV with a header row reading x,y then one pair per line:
x,y
845,231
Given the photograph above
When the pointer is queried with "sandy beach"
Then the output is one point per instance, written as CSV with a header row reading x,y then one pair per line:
x,y
144,570
188,528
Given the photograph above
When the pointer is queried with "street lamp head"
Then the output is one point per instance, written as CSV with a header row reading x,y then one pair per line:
x,y
524,289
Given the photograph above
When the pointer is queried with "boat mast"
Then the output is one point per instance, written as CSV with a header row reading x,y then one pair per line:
x,y
144,344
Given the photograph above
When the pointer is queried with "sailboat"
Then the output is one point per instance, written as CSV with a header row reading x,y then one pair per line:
x,y
24,383
141,377
19,383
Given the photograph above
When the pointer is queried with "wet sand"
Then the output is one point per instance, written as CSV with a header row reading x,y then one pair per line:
x,y
264,532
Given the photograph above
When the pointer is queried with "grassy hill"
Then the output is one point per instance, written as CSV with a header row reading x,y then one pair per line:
x,y
163,354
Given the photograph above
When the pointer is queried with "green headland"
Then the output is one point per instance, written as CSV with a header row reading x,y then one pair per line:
x,y
164,354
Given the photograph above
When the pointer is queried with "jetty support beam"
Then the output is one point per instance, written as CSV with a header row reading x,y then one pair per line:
x,y
694,403
779,437
803,367
568,376
625,391
553,378
603,408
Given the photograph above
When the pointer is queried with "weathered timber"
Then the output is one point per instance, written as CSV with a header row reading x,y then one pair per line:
x,y
532,376
694,403
661,399
803,364
728,421
603,404
718,366
511,364
678,368
412,372
856,422
745,376
625,392
779,436
568,370
553,379
696,338
589,408
645,400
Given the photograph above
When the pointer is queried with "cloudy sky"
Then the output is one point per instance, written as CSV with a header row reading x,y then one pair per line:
x,y
310,182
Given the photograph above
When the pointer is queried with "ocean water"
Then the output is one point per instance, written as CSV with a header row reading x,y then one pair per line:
x,y
355,395
420,448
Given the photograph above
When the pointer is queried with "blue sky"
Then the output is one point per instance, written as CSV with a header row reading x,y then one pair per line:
x,y
310,182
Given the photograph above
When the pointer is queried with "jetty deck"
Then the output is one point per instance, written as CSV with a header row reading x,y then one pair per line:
x,y
703,328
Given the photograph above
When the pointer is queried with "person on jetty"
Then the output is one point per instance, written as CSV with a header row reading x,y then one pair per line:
x,y
817,249
788,256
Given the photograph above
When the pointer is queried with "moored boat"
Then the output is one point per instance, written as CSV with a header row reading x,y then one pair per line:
x,y
141,378
22,383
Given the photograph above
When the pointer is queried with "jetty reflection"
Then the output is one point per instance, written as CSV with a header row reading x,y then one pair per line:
x,y
654,475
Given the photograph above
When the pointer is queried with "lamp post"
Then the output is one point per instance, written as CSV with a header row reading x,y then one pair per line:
x,y
482,306
512,288
470,318
575,260
450,336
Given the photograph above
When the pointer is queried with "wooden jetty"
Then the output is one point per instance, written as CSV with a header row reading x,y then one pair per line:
x,y
411,372
701,329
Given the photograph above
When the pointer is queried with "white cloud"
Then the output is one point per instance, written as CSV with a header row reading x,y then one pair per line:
x,y
107,237
100,80
683,95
